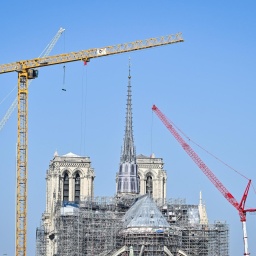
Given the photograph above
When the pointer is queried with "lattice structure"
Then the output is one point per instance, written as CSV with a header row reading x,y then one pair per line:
x,y
196,239
40,242
69,234
89,229
97,227
205,240
151,243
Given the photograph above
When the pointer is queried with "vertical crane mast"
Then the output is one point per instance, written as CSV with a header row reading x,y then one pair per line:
x,y
22,149
27,70
240,207
21,200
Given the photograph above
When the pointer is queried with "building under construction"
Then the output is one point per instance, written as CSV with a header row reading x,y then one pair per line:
x,y
137,221
142,226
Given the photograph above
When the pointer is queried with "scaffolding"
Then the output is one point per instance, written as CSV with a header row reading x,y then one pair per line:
x,y
89,228
200,240
196,239
100,226
40,241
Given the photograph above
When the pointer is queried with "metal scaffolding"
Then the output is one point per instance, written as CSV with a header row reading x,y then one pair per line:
x,y
107,226
90,228
196,239
40,241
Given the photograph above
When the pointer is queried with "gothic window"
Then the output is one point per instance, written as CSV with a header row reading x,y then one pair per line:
x,y
138,184
120,169
65,187
119,185
132,184
126,168
149,185
163,187
132,169
77,187
125,185
92,186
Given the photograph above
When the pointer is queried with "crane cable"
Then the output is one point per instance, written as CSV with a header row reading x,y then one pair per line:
x,y
151,135
221,161
64,67
83,109
8,95
209,153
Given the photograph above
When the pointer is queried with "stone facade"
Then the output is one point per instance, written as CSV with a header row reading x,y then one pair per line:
x,y
152,176
69,179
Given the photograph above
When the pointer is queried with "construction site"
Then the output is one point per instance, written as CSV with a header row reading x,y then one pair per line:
x,y
139,220
109,226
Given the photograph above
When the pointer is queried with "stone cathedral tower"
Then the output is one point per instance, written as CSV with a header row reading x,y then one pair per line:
x,y
138,175
69,180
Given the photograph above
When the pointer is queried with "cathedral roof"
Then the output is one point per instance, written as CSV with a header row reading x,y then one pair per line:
x,y
70,157
70,154
142,156
145,214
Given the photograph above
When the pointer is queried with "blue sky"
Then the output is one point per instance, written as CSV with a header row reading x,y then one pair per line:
x,y
205,85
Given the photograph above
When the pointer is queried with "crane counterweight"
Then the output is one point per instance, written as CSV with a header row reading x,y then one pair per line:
x,y
32,73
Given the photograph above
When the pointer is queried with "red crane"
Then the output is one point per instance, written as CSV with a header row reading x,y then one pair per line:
x,y
223,190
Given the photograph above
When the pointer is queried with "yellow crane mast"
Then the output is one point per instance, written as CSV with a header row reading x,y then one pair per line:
x,y
27,70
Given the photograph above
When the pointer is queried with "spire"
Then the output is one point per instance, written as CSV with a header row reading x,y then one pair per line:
x,y
202,211
128,151
128,175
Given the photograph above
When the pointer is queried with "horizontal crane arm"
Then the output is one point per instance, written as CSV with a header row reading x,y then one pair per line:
x,y
90,53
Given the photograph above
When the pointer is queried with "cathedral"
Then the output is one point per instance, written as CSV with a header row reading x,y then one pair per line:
x,y
138,220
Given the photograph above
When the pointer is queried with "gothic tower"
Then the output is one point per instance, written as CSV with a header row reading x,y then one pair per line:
x,y
152,176
127,178
69,180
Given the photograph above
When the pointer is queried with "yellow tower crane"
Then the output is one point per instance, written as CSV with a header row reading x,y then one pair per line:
x,y
27,69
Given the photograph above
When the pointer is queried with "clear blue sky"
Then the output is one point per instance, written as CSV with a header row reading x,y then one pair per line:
x,y
206,85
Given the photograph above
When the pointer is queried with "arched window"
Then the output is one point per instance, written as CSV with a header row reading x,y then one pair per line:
x,y
149,185
119,185
138,184
125,185
132,169
92,187
132,184
126,168
65,187
77,188
163,188
120,169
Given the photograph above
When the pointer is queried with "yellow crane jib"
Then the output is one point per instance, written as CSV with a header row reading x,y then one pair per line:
x,y
85,55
